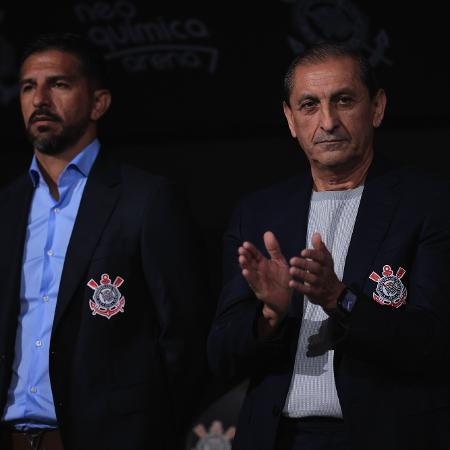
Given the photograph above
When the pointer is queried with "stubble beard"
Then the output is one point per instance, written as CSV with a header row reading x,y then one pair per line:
x,y
54,143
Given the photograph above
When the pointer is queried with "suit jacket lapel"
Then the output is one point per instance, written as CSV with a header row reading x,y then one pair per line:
x,y
376,209
98,201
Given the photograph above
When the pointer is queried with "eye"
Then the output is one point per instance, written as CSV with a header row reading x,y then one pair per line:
x,y
61,85
345,100
308,105
26,87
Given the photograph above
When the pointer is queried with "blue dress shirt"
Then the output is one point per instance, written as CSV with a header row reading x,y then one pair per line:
x,y
50,224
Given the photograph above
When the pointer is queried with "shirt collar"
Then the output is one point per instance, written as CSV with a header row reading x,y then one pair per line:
x,y
82,162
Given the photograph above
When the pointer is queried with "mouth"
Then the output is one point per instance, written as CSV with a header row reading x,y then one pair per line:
x,y
331,145
330,141
41,119
43,116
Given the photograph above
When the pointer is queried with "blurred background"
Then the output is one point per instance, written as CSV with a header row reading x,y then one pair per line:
x,y
197,93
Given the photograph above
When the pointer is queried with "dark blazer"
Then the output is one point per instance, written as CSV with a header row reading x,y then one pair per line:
x,y
390,363
125,382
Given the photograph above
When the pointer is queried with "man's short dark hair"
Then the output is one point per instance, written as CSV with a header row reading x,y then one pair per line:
x,y
322,51
91,60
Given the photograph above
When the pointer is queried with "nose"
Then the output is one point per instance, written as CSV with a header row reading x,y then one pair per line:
x,y
41,96
329,119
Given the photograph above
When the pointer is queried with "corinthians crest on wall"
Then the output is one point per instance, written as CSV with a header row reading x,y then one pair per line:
x,y
343,21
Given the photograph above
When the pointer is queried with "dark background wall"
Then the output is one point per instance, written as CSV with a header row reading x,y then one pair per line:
x,y
197,90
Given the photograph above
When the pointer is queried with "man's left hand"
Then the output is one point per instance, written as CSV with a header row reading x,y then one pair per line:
x,y
313,274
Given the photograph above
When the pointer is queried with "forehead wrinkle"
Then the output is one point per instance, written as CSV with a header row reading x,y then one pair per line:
x,y
331,72
50,60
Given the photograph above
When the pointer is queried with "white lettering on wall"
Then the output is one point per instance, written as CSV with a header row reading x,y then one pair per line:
x,y
161,43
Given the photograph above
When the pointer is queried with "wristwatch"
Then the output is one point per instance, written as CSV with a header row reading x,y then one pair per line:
x,y
346,301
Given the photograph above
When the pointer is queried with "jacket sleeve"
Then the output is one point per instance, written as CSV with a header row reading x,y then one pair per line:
x,y
234,351
170,260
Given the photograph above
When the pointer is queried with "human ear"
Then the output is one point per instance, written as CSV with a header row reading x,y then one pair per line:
x,y
102,100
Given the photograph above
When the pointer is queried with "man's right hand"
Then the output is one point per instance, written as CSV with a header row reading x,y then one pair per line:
x,y
269,280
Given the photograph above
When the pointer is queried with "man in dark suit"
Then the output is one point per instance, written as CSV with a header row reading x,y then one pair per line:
x,y
100,332
346,342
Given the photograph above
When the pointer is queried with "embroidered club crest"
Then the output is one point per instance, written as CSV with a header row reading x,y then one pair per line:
x,y
390,291
107,299
215,438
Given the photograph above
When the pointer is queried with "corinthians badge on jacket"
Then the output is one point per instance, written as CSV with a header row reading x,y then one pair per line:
x,y
107,300
390,291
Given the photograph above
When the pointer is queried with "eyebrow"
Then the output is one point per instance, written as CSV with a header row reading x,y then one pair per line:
x,y
50,79
333,96
306,97
344,91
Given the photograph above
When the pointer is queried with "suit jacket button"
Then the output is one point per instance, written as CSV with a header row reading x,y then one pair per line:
x,y
276,410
